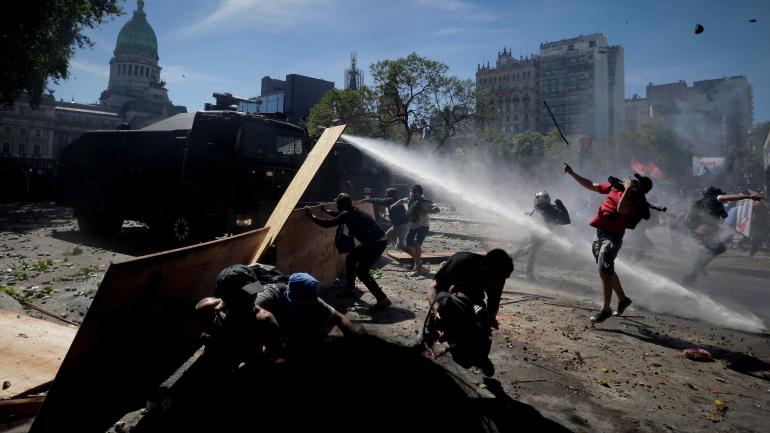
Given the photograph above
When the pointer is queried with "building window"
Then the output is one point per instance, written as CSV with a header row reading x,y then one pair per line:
x,y
8,130
22,131
22,149
6,149
36,151
37,132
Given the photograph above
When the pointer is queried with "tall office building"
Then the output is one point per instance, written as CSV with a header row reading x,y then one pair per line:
x,y
581,78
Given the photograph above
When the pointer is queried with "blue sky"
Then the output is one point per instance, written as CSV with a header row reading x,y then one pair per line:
x,y
229,45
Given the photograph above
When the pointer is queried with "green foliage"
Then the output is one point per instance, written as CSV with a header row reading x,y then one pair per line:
x,y
654,143
76,251
357,108
452,105
403,88
42,265
10,292
39,39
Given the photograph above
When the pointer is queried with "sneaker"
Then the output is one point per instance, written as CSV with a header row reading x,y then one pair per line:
x,y
381,305
622,305
601,316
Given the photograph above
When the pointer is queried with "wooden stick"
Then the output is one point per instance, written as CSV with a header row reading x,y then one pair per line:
x,y
569,306
44,311
529,381
544,368
519,300
527,294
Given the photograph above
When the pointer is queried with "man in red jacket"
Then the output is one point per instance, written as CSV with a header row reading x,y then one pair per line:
x,y
610,223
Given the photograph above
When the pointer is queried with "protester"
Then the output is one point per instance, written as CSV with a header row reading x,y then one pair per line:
x,y
552,215
703,219
396,234
476,276
621,209
419,211
465,327
305,319
237,333
372,244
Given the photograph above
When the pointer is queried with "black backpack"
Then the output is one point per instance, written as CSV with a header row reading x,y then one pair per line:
x,y
343,240
465,327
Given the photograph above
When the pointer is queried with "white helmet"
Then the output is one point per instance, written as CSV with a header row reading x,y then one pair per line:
x,y
542,198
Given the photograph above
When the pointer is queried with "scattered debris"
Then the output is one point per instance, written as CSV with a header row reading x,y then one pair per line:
x,y
698,29
702,355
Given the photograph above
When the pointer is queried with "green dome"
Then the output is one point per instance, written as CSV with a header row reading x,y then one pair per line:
x,y
137,34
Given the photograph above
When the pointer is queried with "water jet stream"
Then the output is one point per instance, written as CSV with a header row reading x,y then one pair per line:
x,y
483,184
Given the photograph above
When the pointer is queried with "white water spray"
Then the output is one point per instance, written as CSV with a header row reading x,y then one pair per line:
x,y
487,186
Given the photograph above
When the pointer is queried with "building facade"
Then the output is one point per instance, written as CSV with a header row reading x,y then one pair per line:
x,y
581,78
294,96
709,117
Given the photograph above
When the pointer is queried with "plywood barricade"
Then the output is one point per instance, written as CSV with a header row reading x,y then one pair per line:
x,y
138,330
31,351
304,246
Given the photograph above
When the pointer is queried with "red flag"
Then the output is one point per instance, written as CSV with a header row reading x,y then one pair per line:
x,y
649,169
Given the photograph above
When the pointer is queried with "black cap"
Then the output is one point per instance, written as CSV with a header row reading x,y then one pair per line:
x,y
237,281
712,191
645,183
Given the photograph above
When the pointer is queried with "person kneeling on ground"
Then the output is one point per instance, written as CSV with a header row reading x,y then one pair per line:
x,y
305,319
475,276
620,210
465,327
396,234
361,258
237,333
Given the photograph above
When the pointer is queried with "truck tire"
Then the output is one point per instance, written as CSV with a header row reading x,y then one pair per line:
x,y
179,229
100,224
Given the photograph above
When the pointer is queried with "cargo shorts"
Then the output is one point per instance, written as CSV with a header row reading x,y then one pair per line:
x,y
605,247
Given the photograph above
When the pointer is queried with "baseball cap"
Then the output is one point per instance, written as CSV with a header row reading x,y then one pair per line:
x,y
237,281
302,287
645,183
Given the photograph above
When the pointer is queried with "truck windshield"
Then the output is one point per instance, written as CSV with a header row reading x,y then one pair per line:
x,y
262,140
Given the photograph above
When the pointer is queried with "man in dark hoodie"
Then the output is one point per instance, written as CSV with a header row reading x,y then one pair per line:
x,y
703,218
396,234
371,240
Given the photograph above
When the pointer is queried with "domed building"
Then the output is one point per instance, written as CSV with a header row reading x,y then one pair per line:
x,y
135,88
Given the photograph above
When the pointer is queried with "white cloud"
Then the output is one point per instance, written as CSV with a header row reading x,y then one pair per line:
x,y
260,14
449,31
102,70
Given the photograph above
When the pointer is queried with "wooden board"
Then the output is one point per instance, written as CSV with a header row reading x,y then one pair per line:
x,y
31,351
435,257
138,330
297,187
304,246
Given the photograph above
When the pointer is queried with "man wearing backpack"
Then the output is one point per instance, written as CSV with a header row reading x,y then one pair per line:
x,y
553,215
621,209
703,219
372,244
398,217
477,276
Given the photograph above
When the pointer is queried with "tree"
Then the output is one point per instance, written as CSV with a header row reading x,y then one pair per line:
x,y
654,143
403,87
453,104
357,108
38,39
